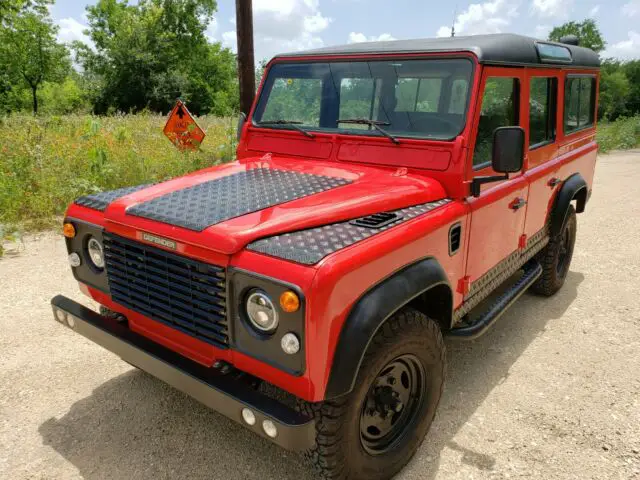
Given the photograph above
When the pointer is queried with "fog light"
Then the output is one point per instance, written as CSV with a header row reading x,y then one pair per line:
x,y
248,416
290,343
68,230
74,260
71,321
270,428
61,316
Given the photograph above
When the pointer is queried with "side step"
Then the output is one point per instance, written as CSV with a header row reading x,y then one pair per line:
x,y
532,271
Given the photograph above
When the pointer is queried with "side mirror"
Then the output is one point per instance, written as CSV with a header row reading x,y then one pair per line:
x,y
508,149
241,121
508,156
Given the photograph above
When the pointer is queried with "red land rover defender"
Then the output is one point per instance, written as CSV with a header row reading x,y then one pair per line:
x,y
381,192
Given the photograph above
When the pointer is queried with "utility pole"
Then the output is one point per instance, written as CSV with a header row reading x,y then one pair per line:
x,y
246,63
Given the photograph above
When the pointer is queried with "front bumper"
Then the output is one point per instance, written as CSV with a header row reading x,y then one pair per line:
x,y
222,393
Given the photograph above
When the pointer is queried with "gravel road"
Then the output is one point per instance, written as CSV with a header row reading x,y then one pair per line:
x,y
552,391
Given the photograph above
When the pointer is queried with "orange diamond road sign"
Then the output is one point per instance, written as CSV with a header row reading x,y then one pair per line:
x,y
182,129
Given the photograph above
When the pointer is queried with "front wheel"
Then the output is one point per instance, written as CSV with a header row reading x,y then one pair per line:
x,y
375,430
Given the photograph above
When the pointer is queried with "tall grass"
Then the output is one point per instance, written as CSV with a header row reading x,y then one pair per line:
x,y
46,162
622,134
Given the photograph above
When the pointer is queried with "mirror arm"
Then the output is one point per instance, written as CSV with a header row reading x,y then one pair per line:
x,y
478,181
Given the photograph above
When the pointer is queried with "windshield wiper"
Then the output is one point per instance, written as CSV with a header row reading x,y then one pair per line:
x,y
295,125
373,123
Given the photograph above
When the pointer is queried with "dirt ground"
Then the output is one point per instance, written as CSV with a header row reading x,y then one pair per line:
x,y
552,391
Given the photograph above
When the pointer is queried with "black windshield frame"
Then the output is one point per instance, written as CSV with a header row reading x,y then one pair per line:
x,y
331,74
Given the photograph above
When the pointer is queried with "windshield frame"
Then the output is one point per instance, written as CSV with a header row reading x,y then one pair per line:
x,y
263,93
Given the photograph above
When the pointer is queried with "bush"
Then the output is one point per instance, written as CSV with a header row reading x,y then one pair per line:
x,y
622,134
47,162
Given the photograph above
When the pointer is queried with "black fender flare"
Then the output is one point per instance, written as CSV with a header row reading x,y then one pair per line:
x,y
572,188
371,310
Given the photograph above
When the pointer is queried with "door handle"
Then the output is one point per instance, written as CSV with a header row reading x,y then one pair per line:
x,y
517,204
554,181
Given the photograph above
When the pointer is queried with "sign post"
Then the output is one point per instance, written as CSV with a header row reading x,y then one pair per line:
x,y
182,129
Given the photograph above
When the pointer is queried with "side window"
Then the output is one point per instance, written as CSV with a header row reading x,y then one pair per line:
x,y
579,103
356,95
500,103
458,100
418,94
428,95
542,115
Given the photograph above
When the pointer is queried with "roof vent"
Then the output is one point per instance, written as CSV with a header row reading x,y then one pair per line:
x,y
377,220
570,40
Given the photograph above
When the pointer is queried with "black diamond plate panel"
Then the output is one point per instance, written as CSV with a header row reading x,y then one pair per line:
x,y
215,201
311,246
100,201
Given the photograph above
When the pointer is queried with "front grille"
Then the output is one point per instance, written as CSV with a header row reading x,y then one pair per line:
x,y
185,294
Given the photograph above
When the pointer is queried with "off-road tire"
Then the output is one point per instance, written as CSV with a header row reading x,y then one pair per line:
x,y
553,274
339,453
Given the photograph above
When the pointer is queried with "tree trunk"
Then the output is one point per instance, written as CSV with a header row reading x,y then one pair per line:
x,y
34,90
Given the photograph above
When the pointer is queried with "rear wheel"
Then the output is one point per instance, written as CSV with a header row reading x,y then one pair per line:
x,y
556,257
376,429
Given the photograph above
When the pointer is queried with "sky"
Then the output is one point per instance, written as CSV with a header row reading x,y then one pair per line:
x,y
289,25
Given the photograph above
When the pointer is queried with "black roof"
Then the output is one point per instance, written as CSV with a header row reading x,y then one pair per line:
x,y
499,48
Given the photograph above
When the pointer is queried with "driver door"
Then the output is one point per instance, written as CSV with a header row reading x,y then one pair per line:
x,y
498,214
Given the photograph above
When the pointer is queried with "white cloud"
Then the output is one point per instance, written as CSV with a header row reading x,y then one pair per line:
x,y
628,49
542,31
594,11
488,17
632,8
70,30
551,8
361,37
212,30
283,26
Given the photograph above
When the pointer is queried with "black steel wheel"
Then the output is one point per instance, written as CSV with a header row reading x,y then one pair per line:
x,y
392,403
375,430
556,257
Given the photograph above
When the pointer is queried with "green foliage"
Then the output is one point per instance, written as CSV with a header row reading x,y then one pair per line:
x,y
47,161
147,55
587,32
30,55
9,9
622,134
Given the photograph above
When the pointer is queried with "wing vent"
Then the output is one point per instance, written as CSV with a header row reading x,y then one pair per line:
x,y
377,220
455,237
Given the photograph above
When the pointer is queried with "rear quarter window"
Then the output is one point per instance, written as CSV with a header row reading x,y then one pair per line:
x,y
579,103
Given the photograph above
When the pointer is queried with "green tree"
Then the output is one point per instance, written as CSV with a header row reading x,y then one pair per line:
x,y
10,8
614,90
587,32
147,55
29,51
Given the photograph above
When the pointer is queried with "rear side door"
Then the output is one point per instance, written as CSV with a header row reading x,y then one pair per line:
x,y
541,167
498,214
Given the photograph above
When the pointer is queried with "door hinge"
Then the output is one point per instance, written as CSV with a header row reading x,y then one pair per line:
x,y
464,285
522,241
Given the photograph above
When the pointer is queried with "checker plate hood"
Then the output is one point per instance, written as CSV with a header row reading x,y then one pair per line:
x,y
227,207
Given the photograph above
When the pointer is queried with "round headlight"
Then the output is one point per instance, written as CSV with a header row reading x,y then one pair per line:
x,y
261,312
96,254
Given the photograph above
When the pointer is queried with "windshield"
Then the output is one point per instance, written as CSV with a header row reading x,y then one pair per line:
x,y
408,98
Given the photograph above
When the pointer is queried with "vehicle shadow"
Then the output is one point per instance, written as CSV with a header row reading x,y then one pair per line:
x,y
136,427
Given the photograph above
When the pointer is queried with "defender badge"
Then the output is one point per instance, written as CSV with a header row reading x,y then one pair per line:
x,y
163,242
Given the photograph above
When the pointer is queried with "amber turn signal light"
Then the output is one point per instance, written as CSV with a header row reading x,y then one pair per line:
x,y
68,230
289,302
